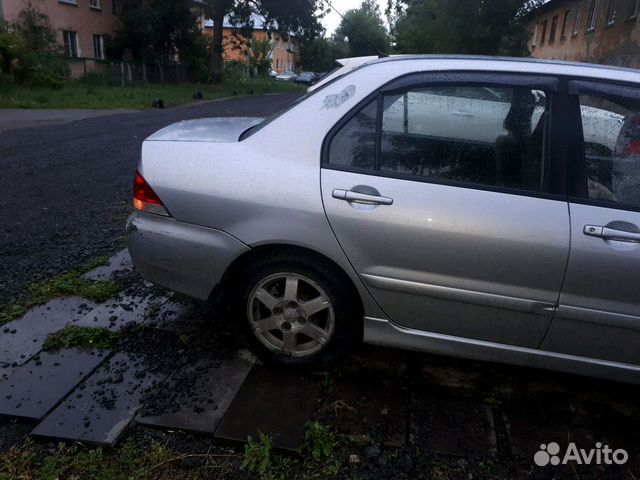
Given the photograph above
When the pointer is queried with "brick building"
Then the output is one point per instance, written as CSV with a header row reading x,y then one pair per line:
x,y
81,25
595,31
284,54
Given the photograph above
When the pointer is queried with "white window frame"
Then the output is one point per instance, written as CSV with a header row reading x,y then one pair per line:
x,y
535,35
98,52
611,12
74,46
578,20
592,21
634,14
95,4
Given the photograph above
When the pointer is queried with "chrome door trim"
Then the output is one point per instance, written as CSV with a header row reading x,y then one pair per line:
x,y
388,334
459,295
599,317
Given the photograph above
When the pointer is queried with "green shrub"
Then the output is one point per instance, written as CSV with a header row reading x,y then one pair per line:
x,y
24,46
38,71
234,70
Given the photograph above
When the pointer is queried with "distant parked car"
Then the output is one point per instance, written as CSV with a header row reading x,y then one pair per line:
x,y
273,74
468,206
286,76
306,78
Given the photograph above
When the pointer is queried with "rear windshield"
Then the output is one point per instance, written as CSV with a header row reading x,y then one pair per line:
x,y
250,131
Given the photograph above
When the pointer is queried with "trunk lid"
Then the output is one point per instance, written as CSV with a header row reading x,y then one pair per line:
x,y
217,130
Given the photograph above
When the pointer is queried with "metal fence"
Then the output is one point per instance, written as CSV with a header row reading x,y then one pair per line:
x,y
122,73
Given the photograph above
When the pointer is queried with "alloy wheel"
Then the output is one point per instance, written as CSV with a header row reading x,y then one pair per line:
x,y
291,314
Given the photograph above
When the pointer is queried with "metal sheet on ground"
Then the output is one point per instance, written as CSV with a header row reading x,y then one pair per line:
x,y
176,316
199,396
100,409
116,313
277,403
23,338
119,262
36,387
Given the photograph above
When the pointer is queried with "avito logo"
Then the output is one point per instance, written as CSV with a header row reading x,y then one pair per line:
x,y
550,454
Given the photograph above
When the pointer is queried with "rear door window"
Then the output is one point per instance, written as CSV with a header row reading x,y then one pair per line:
x,y
468,134
611,132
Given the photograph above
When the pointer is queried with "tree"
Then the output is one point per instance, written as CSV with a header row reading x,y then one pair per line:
x,y
260,57
36,31
316,55
365,30
9,48
320,54
463,26
157,30
22,46
296,17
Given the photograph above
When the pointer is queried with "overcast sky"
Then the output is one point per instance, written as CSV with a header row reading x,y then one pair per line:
x,y
332,20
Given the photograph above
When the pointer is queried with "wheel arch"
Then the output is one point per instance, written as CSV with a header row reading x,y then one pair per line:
x,y
220,293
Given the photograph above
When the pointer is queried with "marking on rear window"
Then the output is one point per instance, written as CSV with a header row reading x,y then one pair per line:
x,y
336,99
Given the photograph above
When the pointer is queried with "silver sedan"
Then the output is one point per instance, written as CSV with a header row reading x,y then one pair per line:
x,y
480,207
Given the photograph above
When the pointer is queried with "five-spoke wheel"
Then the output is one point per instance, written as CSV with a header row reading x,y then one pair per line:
x,y
295,312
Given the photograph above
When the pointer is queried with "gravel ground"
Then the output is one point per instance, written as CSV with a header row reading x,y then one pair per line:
x,y
65,190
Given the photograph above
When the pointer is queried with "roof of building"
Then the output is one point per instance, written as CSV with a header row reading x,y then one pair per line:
x,y
259,22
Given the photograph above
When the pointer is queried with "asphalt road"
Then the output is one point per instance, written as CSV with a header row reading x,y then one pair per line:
x,y
65,190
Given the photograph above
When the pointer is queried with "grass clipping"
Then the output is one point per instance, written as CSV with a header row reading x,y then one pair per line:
x,y
67,284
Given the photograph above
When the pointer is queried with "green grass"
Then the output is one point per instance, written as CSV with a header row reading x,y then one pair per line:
x,y
138,96
67,284
80,337
147,460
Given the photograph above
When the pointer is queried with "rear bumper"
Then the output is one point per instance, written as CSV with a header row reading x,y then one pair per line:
x,y
186,258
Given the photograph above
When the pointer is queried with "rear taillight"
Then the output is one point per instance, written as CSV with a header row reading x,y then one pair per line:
x,y
145,199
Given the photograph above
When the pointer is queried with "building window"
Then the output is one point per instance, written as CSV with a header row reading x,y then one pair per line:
x,y
98,46
633,8
611,13
544,32
576,27
535,35
554,29
563,32
117,7
95,4
70,43
592,20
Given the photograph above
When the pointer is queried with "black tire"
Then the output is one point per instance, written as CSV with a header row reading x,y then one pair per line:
x,y
347,325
